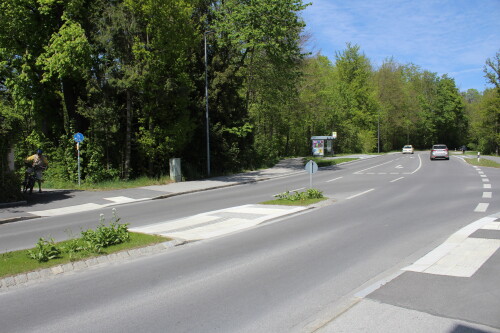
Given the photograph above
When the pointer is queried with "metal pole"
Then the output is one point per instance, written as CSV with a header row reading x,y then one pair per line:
x,y
206,100
378,132
78,149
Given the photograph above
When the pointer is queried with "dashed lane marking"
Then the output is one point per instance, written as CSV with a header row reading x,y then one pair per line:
x,y
395,180
357,195
331,180
481,207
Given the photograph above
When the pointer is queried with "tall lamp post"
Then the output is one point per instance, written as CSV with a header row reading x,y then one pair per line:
x,y
378,132
206,101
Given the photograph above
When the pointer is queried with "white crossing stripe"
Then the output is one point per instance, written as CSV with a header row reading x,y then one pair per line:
x,y
487,195
331,180
459,255
219,222
83,207
68,210
481,207
486,185
124,199
357,195
485,180
492,226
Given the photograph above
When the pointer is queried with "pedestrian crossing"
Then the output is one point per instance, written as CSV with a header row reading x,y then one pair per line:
x,y
218,222
84,207
462,254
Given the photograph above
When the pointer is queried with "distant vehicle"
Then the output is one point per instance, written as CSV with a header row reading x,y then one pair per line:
x,y
408,149
439,151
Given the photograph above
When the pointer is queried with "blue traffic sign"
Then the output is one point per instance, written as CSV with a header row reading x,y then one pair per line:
x,y
78,137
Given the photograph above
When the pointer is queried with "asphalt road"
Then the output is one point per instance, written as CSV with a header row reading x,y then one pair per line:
x,y
292,274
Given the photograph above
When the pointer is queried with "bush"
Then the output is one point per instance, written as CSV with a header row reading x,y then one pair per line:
x,y
300,196
105,236
45,250
11,187
92,241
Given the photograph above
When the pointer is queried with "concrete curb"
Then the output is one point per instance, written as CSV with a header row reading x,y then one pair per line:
x,y
23,279
17,219
13,204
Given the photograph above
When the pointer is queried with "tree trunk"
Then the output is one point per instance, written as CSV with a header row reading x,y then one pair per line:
x,y
128,137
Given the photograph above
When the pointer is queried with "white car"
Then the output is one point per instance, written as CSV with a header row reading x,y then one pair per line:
x,y
408,149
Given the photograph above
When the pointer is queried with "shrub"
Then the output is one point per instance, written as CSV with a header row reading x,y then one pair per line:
x,y
300,196
45,250
105,236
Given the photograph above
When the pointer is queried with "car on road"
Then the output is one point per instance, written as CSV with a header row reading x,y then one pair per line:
x,y
408,149
439,151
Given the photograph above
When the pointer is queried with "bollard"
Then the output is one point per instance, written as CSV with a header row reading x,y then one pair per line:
x,y
478,156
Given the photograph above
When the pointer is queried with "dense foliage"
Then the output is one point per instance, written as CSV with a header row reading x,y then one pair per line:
x,y
130,76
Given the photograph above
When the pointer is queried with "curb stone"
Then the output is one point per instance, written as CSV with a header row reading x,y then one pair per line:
x,y
11,282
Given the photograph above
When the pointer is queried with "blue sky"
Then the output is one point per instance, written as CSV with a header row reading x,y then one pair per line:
x,y
453,37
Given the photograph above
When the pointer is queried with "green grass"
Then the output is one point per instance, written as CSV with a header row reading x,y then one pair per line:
x,y
323,162
285,202
16,262
116,184
483,162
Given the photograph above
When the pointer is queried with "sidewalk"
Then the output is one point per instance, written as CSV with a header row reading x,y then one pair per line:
x,y
59,202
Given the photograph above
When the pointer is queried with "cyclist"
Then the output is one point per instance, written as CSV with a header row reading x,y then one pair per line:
x,y
37,163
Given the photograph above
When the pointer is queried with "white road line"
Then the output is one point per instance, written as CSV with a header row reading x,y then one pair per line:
x,y
481,207
485,180
360,171
486,185
459,255
395,180
298,189
483,176
419,164
487,195
219,222
382,173
357,195
68,210
492,226
124,199
331,180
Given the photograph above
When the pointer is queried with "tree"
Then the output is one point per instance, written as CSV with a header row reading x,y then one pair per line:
x,y
356,102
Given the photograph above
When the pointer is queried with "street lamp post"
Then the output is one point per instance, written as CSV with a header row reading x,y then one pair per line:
x,y
378,132
206,102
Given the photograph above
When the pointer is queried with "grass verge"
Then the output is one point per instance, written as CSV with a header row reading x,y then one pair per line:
x,y
286,202
17,262
483,162
323,162
116,184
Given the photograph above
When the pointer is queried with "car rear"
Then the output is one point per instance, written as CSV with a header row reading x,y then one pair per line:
x,y
440,152
408,149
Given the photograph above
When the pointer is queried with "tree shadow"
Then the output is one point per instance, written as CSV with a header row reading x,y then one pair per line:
x,y
466,329
48,196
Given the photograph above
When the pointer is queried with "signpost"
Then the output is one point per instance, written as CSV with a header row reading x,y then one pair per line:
x,y
78,137
311,167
